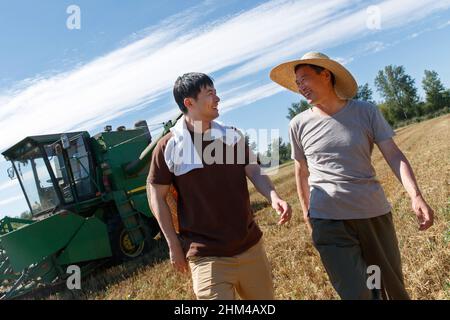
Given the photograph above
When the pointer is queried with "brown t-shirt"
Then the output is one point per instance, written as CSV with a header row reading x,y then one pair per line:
x,y
214,213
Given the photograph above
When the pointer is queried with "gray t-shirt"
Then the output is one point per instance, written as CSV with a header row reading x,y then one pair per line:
x,y
338,151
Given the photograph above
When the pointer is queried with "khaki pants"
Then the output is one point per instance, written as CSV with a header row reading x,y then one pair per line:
x,y
348,247
219,278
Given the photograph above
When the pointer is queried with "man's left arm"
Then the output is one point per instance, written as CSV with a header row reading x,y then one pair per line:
x,y
264,186
404,173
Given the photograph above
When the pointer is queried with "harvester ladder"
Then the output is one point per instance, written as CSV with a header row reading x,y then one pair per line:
x,y
130,217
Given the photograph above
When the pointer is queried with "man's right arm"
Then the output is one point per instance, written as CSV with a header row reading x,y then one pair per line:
x,y
157,195
301,179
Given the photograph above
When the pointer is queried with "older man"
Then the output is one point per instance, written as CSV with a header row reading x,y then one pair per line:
x,y
343,203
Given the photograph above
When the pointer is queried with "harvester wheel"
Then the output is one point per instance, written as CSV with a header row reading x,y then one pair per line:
x,y
127,247
122,247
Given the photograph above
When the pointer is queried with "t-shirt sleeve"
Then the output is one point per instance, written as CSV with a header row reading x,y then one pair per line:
x,y
297,152
381,129
159,172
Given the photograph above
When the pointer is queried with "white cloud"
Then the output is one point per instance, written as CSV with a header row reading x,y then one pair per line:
x,y
141,72
11,199
8,184
342,28
374,47
251,96
344,60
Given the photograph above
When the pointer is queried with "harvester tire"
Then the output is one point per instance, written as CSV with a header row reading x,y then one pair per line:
x,y
121,245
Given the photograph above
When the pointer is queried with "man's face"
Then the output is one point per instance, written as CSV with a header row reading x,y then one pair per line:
x,y
313,86
205,107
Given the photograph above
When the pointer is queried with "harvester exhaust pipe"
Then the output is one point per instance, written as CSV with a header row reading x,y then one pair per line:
x,y
142,124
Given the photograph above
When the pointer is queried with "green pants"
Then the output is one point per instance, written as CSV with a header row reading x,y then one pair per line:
x,y
348,247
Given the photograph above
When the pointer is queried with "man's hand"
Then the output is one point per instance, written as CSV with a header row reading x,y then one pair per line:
x,y
424,213
282,208
177,258
264,186
307,222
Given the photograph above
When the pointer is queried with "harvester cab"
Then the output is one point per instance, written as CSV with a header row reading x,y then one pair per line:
x,y
87,204
54,171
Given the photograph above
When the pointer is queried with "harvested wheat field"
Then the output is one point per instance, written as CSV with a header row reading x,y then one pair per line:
x,y
297,270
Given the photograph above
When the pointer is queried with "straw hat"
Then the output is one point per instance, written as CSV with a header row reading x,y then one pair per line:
x,y
345,85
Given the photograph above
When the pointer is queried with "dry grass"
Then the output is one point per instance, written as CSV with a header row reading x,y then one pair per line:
x,y
297,270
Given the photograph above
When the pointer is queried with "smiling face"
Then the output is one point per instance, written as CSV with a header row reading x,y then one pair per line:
x,y
314,86
205,106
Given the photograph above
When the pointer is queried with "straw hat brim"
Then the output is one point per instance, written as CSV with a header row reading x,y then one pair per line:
x,y
345,85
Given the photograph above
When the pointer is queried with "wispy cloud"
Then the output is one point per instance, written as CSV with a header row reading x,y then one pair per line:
x,y
344,60
251,96
365,49
444,25
374,47
343,27
428,29
8,184
10,200
142,71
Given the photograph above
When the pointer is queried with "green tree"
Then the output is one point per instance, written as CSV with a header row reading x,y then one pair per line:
x,y
247,139
25,215
297,107
364,93
399,92
436,97
285,151
253,147
280,150
264,158
387,113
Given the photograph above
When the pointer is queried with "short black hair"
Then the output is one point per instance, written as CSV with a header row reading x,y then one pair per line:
x,y
317,69
189,85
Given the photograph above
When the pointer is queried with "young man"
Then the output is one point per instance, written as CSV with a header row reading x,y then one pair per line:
x,y
343,203
208,164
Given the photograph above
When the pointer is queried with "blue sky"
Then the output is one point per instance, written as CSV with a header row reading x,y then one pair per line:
x,y
121,65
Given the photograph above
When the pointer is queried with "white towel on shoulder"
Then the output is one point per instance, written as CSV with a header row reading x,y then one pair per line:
x,y
180,154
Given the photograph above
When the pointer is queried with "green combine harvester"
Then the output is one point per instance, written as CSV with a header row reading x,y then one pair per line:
x,y
88,204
